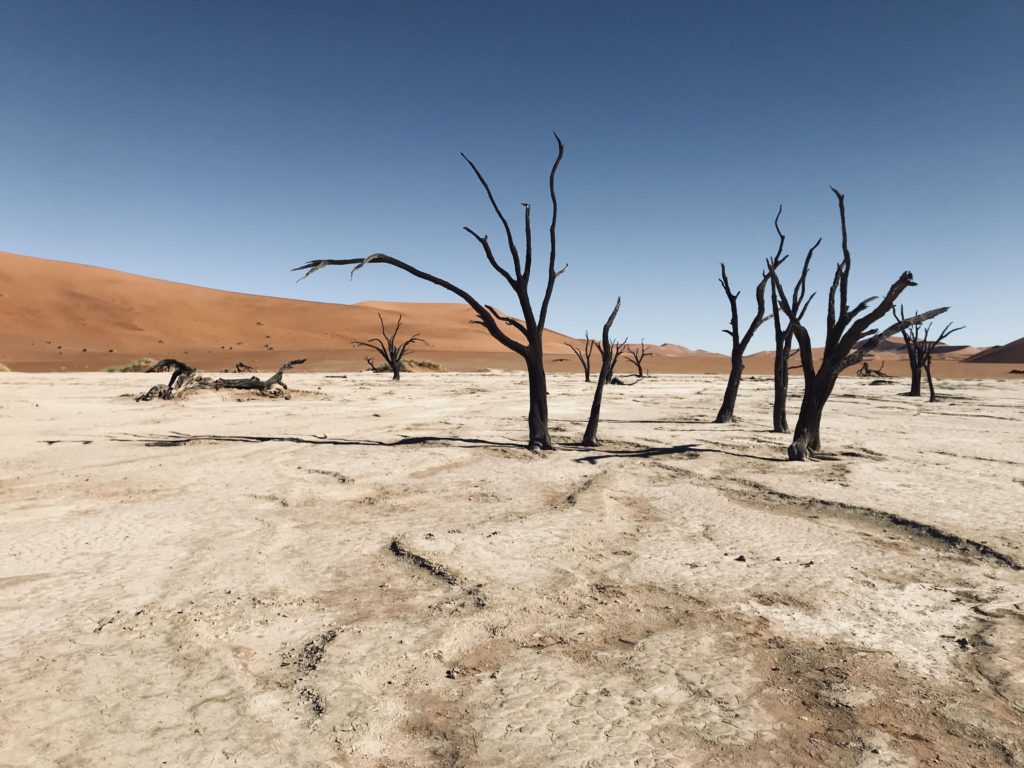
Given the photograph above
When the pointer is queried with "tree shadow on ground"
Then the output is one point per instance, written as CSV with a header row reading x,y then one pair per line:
x,y
690,450
175,439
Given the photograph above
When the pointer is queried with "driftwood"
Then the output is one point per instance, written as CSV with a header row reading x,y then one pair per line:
x,y
185,378
866,371
527,339
254,383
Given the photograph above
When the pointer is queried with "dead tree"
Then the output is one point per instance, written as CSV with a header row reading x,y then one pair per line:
x,y
254,383
844,331
912,341
926,348
608,354
182,377
866,371
615,349
784,331
637,355
583,354
739,343
529,342
391,350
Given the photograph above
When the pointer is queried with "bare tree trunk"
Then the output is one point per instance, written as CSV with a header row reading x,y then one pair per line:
x,y
782,349
915,378
538,418
732,388
931,386
608,356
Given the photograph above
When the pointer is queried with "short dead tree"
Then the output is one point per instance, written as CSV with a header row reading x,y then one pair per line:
x,y
615,351
844,331
867,372
927,347
183,377
637,355
387,346
799,301
583,354
607,349
739,343
912,341
528,341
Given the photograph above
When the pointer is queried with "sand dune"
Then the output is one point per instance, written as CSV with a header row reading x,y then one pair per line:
x,y
1007,353
57,316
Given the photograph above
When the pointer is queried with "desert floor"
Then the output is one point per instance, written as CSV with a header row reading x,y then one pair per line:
x,y
296,582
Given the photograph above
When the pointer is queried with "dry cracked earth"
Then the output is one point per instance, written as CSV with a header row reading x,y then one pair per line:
x,y
377,574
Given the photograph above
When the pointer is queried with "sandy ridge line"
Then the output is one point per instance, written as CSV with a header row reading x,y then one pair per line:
x,y
740,490
439,570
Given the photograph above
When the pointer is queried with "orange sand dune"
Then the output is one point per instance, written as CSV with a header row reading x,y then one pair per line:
x,y
1012,352
61,316
58,316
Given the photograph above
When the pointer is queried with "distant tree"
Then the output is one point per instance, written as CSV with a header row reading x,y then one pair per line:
x,y
927,347
637,355
529,343
784,330
389,348
912,341
614,349
844,331
739,343
608,354
583,354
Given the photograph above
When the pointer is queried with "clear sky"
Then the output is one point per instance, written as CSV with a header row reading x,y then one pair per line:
x,y
222,143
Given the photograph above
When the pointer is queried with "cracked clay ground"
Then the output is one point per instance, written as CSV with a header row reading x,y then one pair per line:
x,y
266,582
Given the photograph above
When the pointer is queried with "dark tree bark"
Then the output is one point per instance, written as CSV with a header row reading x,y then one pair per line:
x,y
636,356
391,350
912,341
926,347
739,343
844,331
583,354
607,349
182,376
531,328
784,331
615,350
257,384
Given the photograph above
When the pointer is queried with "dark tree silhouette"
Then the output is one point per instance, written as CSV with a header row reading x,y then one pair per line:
x,y
387,346
912,341
614,349
584,353
637,355
608,354
739,343
784,330
844,330
258,384
927,346
528,342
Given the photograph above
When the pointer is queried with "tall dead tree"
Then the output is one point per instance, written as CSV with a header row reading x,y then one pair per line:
x,y
912,341
531,328
784,330
927,347
739,343
844,331
637,355
608,350
583,354
387,346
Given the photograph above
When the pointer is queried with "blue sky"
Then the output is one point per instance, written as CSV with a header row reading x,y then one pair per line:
x,y
222,143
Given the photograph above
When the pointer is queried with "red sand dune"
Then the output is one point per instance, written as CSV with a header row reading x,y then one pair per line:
x,y
1006,354
59,316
